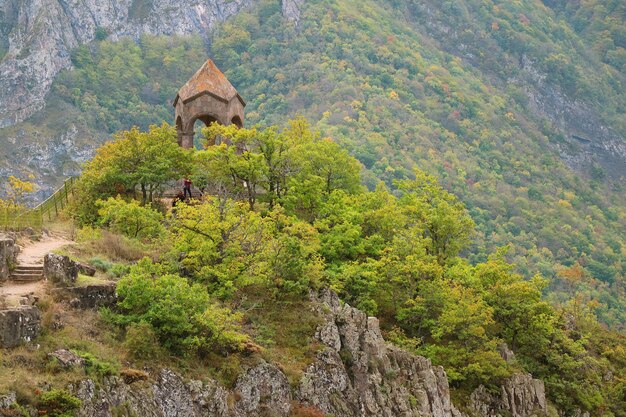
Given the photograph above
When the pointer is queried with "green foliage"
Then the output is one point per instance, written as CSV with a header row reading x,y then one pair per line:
x,y
226,246
135,160
96,367
601,24
117,85
182,316
58,403
447,225
396,253
410,94
399,101
142,342
295,168
130,218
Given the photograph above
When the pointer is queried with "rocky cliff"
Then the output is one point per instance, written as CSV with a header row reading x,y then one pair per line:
x,y
41,33
355,374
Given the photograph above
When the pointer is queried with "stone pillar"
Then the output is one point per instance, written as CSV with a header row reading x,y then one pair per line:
x,y
8,254
187,140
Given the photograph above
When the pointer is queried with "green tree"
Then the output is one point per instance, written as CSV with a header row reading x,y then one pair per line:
x,y
446,223
133,160
130,218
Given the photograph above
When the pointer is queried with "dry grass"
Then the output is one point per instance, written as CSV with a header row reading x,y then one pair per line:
x,y
110,245
284,328
299,410
28,369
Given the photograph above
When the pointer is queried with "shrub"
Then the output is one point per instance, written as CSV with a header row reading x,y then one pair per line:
x,y
130,218
88,234
133,375
100,264
141,341
118,270
183,317
58,403
97,367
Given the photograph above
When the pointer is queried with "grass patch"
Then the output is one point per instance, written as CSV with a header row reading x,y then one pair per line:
x,y
84,280
27,368
285,328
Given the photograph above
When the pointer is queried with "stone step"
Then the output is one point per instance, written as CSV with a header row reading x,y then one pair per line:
x,y
26,276
22,268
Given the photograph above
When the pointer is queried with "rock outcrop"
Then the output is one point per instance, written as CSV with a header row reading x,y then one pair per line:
x,y
520,396
89,296
60,269
358,374
262,390
7,401
67,358
41,34
19,325
355,374
292,9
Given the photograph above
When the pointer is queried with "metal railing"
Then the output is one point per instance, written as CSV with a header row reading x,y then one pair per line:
x,y
19,218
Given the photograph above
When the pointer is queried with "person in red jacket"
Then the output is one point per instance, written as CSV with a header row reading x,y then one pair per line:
x,y
187,187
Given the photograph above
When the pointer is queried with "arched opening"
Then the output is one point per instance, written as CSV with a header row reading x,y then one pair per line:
x,y
179,129
199,123
237,121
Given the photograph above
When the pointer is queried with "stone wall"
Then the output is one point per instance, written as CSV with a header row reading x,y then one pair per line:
x,y
89,296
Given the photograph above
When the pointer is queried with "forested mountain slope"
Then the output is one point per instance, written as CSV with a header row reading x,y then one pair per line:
x,y
505,102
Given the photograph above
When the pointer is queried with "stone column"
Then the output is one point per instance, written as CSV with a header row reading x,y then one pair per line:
x,y
187,140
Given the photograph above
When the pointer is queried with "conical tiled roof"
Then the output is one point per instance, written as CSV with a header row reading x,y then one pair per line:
x,y
208,79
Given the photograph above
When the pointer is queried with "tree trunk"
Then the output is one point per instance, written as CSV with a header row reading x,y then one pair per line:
x,y
144,194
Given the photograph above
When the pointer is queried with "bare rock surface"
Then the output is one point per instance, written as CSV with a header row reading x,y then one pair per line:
x,y
8,256
60,269
292,9
355,374
520,396
67,358
7,400
359,374
19,325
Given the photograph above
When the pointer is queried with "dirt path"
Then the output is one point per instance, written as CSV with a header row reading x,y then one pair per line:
x,y
32,253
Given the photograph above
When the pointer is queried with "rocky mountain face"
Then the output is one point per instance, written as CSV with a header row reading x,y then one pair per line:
x,y
41,33
355,374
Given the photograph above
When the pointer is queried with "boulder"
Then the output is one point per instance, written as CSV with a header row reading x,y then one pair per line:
x,y
85,269
7,400
60,269
67,358
19,325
